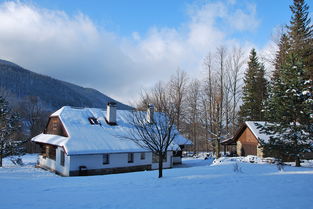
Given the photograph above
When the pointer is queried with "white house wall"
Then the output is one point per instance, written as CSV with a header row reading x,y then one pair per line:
x,y
46,162
55,165
116,160
95,161
63,170
167,164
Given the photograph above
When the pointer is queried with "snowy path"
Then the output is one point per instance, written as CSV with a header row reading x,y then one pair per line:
x,y
196,184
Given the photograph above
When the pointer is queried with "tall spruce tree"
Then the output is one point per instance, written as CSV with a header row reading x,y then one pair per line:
x,y
289,112
9,125
283,48
289,107
254,90
300,33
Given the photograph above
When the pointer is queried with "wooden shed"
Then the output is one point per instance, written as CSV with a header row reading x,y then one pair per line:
x,y
248,139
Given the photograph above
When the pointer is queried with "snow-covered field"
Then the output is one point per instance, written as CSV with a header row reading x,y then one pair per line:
x,y
195,184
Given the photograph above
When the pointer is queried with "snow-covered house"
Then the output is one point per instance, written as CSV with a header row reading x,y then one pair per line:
x,y
87,141
249,139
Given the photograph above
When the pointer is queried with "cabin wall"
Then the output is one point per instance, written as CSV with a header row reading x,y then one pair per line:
x,y
260,151
47,157
46,163
55,127
248,144
54,164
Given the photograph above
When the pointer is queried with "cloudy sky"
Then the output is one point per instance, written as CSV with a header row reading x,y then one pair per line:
x,y
121,46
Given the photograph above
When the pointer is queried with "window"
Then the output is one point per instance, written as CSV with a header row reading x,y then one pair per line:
x,y
62,157
106,159
93,121
142,156
155,158
48,151
54,124
130,157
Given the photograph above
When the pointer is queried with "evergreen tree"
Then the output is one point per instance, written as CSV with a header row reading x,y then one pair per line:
x,y
254,90
300,34
289,107
9,125
283,48
289,112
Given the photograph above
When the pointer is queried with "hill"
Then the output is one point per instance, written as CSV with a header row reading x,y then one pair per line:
x,y
52,93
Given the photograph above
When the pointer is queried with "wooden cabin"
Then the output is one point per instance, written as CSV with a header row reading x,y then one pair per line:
x,y
248,139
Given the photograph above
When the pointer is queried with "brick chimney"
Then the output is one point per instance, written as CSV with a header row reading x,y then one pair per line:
x,y
111,113
150,113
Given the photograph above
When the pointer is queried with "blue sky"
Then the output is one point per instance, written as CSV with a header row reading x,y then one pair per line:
x,y
111,45
126,16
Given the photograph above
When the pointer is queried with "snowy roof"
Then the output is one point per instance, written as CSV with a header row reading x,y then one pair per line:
x,y
84,138
180,140
253,126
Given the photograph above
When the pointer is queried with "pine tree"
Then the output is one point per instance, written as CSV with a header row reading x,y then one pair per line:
x,y
254,90
282,53
300,34
289,107
289,112
9,124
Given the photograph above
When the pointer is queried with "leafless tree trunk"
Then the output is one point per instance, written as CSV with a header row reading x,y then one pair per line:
x,y
221,56
193,116
207,100
177,95
236,62
156,136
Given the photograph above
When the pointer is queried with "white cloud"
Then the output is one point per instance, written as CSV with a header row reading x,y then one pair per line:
x,y
244,20
74,49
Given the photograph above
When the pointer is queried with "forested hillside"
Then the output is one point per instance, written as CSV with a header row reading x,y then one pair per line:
x,y
52,94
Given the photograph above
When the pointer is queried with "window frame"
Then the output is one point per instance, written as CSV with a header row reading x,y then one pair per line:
x,y
62,158
130,157
142,156
107,159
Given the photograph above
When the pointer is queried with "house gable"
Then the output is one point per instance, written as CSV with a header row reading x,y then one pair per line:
x,y
55,127
247,137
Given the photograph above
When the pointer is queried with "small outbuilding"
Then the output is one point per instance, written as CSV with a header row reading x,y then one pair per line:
x,y
249,139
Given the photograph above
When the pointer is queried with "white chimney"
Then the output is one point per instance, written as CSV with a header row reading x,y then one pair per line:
x,y
150,112
111,113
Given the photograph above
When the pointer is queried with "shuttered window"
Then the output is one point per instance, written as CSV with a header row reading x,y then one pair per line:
x,y
62,157
106,159
130,157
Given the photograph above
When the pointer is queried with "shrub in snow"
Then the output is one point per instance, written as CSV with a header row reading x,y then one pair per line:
x,y
17,161
237,168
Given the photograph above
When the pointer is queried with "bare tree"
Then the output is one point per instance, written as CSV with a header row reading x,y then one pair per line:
x,y
234,76
193,120
177,91
156,135
156,95
219,98
207,98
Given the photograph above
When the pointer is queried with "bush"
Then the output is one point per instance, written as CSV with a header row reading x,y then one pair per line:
x,y
237,168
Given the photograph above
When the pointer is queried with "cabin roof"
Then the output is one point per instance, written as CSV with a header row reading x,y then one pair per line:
x,y
253,126
85,138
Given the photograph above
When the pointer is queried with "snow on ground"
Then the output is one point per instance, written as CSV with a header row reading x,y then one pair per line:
x,y
195,184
